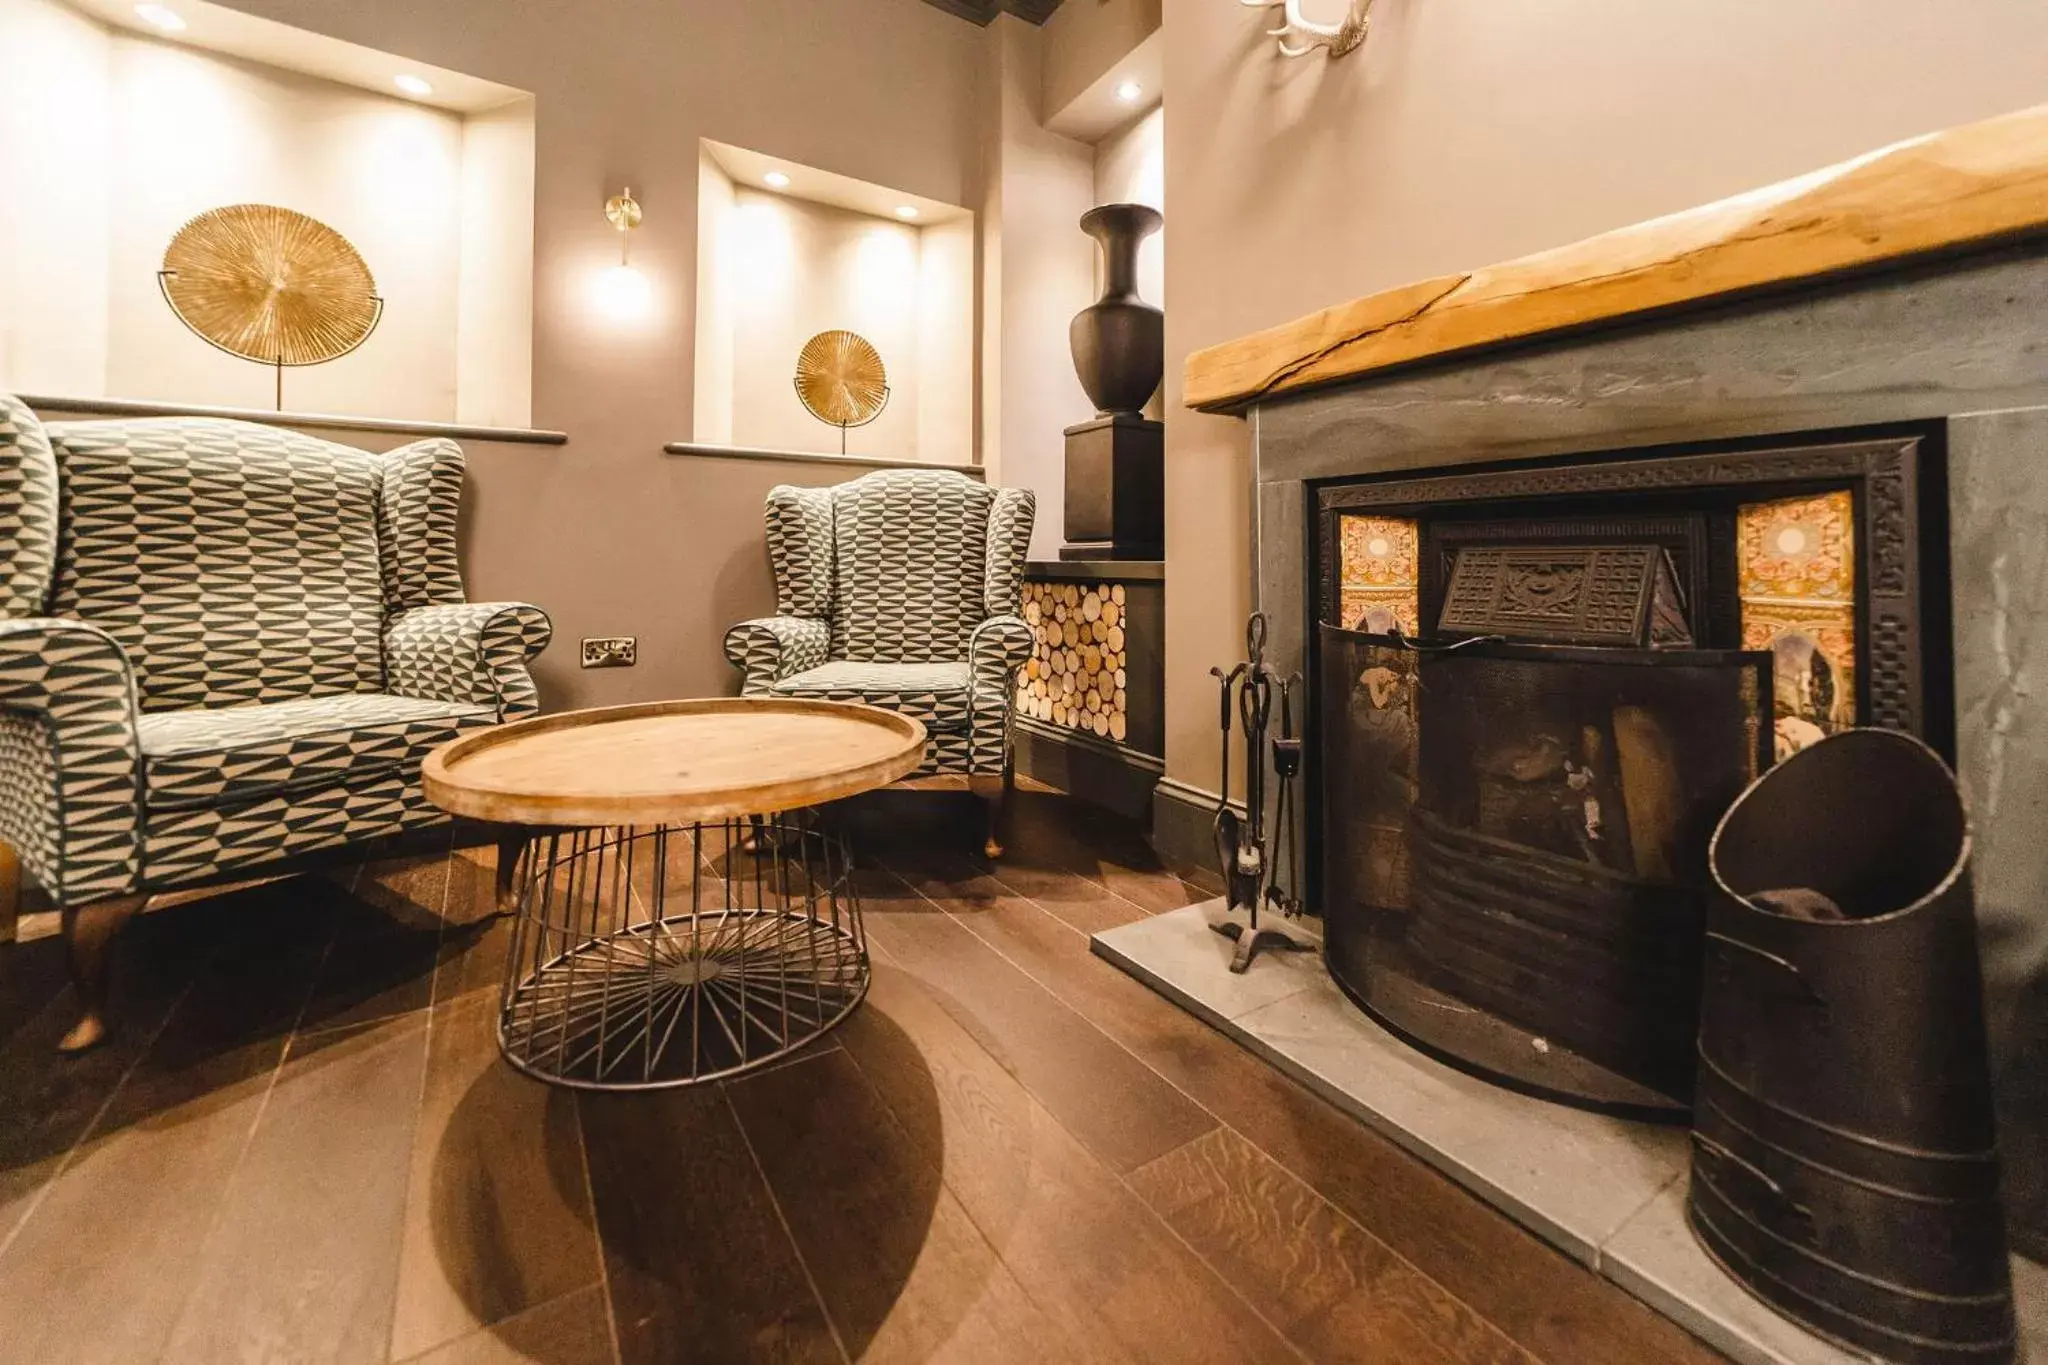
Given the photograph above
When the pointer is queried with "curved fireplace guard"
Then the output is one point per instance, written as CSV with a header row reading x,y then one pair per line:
x,y
1514,844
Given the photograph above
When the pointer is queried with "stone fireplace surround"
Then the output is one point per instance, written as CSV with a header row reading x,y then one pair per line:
x,y
1959,341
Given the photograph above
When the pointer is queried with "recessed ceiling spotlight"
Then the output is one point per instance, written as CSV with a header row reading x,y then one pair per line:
x,y
776,180
905,211
412,85
160,17
1129,91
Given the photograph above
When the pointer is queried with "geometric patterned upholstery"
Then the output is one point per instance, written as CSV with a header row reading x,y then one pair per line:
x,y
909,558
901,589
472,652
28,493
222,644
234,563
416,506
212,757
934,693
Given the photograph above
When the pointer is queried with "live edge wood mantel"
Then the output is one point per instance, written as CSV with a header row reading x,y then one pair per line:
x,y
1972,186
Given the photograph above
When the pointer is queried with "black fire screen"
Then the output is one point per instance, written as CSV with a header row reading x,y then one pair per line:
x,y
1514,842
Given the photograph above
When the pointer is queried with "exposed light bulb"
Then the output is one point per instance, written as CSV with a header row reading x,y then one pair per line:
x,y
905,212
776,180
160,17
1129,91
624,294
412,85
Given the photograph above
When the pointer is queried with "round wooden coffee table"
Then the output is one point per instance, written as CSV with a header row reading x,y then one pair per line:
x,y
679,913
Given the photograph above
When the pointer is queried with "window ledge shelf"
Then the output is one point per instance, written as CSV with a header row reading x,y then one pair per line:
x,y
135,407
697,450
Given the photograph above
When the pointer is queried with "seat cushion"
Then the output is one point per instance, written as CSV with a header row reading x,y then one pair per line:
x,y
933,693
237,753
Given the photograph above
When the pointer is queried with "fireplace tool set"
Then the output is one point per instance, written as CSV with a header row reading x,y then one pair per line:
x,y
1249,863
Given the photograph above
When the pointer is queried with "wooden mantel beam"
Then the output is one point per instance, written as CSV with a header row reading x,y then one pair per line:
x,y
1971,186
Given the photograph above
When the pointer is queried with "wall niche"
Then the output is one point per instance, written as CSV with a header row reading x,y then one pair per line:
x,y
787,251
115,134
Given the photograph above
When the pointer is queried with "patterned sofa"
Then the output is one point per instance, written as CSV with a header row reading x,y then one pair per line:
x,y
223,645
901,589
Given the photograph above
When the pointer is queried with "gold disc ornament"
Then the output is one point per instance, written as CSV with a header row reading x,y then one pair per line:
x,y
839,377
270,285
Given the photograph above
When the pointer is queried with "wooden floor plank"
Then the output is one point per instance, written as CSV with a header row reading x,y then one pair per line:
x,y
904,1273
1012,1152
102,1269
572,1330
474,938
497,1218
699,1265
1090,1255
386,948
302,1266
1548,1304
1064,1061
51,1101
1340,1293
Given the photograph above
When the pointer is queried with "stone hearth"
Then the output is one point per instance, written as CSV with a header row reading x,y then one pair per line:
x,y
1608,1193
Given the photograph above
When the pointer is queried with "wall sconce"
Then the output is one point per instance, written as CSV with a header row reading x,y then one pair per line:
x,y
623,292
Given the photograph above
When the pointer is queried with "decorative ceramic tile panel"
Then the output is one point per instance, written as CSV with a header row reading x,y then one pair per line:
x,y
1796,559
1076,677
1380,582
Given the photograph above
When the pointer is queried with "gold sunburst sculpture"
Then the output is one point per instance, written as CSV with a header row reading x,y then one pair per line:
x,y
270,285
841,380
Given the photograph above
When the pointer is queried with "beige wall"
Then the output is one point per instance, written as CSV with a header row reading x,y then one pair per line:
x,y
1470,131
775,269
946,356
714,324
1085,39
608,534
192,131
1041,272
53,221
1130,168
793,269
494,321
111,141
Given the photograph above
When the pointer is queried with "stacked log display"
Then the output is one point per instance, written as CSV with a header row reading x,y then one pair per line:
x,y
1075,677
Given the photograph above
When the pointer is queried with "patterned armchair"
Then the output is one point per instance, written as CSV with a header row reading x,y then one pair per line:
x,y
901,589
223,645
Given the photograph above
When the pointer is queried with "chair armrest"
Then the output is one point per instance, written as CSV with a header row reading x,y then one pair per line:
x,y
998,647
467,652
770,648
70,761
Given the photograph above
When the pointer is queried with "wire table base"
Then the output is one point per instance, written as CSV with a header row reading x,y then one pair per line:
x,y
650,957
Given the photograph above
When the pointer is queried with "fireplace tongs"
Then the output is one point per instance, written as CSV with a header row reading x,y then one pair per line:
x,y
1241,844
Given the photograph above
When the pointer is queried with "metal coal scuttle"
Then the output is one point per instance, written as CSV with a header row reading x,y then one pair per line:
x,y
1844,1158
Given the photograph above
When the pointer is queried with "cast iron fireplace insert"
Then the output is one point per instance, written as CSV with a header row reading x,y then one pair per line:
x,y
1510,810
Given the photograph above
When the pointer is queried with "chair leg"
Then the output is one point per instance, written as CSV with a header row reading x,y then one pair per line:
x,y
999,813
89,932
10,894
512,842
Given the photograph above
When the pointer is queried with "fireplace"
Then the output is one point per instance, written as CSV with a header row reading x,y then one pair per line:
x,y
1540,686
1795,439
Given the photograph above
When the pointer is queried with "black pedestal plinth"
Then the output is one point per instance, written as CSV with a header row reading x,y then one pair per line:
x,y
1116,489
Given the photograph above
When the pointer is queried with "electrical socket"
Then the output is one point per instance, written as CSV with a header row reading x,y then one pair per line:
x,y
610,651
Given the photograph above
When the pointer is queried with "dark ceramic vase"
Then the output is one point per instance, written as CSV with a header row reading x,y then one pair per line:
x,y
1119,340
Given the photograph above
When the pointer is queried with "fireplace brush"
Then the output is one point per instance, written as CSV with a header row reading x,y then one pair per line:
x,y
1241,844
